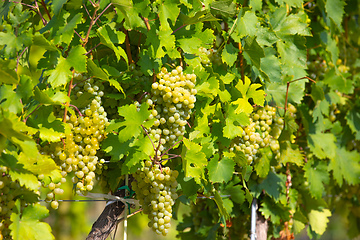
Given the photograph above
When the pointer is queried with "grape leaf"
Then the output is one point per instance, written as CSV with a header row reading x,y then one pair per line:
x,y
27,224
248,91
133,121
229,54
41,41
289,24
167,45
338,82
317,175
207,36
275,211
77,58
321,108
345,166
256,5
18,172
49,97
13,129
8,75
57,6
228,78
293,54
273,185
219,202
209,88
247,25
14,42
233,122
61,74
353,121
168,10
253,52
95,71
28,180
188,186
291,3
24,89
121,149
39,164
225,8
66,33
262,165
9,99
220,171
335,11
200,16
271,66
322,145
290,155
111,38
194,160
189,45
236,193
318,220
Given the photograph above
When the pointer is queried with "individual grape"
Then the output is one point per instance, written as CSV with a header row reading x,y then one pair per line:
x,y
54,204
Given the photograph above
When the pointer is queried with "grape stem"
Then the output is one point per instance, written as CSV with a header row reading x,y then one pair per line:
x,y
130,215
128,50
70,105
91,48
148,136
69,93
18,59
46,10
287,90
142,96
80,82
32,112
170,148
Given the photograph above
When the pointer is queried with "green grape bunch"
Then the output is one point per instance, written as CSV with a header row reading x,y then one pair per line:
x,y
78,152
172,99
155,187
10,192
263,131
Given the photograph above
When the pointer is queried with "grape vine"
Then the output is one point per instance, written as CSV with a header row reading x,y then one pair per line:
x,y
199,107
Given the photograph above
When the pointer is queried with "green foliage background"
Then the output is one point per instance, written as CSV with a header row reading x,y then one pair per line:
x,y
271,52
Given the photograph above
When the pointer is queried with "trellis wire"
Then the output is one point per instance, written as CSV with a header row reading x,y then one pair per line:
x,y
115,200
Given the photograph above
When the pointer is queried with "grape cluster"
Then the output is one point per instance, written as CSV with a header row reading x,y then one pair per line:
x,y
205,55
82,144
9,190
78,151
155,188
263,131
208,56
204,212
172,100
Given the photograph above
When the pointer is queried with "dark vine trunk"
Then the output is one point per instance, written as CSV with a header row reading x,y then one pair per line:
x,y
106,222
108,219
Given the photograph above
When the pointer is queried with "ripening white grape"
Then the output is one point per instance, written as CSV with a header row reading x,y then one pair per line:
x,y
263,131
173,97
155,189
